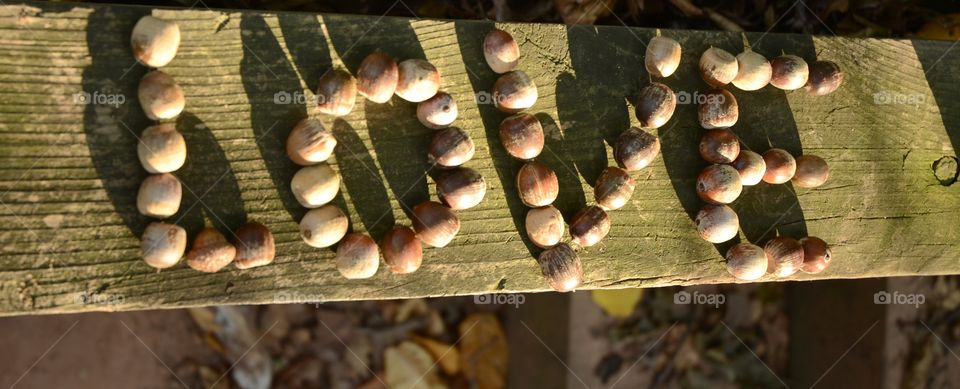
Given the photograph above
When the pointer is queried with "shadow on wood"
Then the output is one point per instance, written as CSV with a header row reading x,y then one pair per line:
x,y
276,103
940,71
399,140
359,173
112,131
210,189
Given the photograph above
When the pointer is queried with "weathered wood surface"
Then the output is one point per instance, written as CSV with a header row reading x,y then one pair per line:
x,y
69,172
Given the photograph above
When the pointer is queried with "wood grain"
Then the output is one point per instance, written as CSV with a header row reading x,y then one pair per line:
x,y
69,171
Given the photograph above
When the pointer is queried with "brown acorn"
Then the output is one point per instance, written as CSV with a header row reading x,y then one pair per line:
x,y
377,77
718,109
255,245
719,146
435,224
655,105
357,256
418,80
159,195
537,184
336,92
522,136
461,188
451,147
812,171
210,252
437,112
635,149
589,226
789,72
614,188
310,142
780,166
816,255
662,57
514,92
500,51
719,184
717,223
747,261
544,226
402,250
785,256
155,41
718,67
162,244
561,267
825,77
751,167
160,96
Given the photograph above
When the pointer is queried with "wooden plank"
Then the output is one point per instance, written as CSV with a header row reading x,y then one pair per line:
x,y
69,173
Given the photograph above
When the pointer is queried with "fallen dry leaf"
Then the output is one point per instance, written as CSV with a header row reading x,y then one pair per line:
x,y
617,303
483,351
446,355
409,366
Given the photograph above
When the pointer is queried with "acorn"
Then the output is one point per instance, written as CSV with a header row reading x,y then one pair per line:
x,y
816,255
718,67
418,80
825,77
812,171
159,196
435,224
719,146
357,256
544,226
310,142
438,111
655,105
614,188
537,184
718,109
377,77
780,166
324,226
719,184
161,149
635,149
753,71
789,72
255,245
163,244
751,167
561,268
501,51
402,250
589,226
662,57
522,136
155,41
746,261
315,185
451,147
514,92
336,93
785,256
717,223
211,251
461,188
160,96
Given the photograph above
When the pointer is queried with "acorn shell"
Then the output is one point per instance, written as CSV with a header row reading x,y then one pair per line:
x,y
522,136
825,77
537,184
561,268
789,72
747,261
357,256
255,245
781,166
751,167
160,96
310,142
662,57
435,224
514,92
324,226
812,171
589,226
162,244
719,184
159,196
655,105
402,250
614,188
718,67
753,71
717,223
211,251
636,149
816,255
461,188
377,77
785,256
418,80
336,93
544,226
437,112
315,185
161,149
500,51
719,146
155,41
718,109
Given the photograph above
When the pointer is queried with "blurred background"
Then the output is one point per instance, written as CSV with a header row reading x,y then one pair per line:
x,y
888,333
